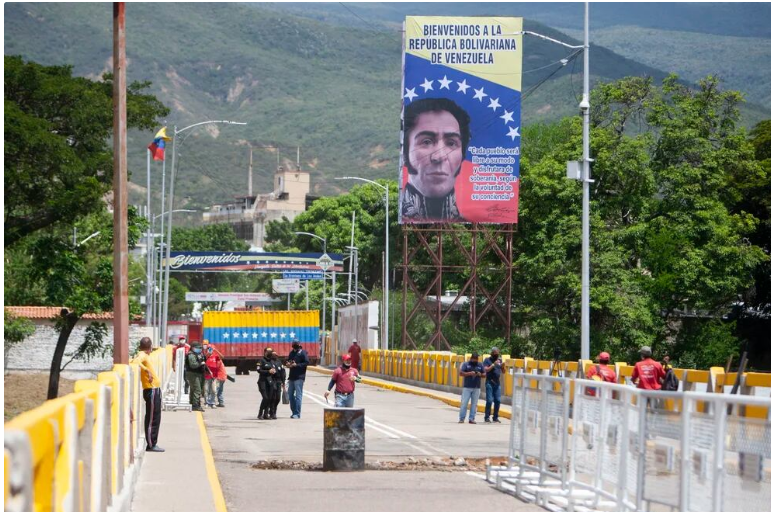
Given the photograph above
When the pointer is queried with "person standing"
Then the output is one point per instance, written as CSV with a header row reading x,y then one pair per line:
x,y
277,383
494,368
601,372
222,376
297,362
355,351
647,374
344,380
151,393
210,376
195,365
472,373
266,370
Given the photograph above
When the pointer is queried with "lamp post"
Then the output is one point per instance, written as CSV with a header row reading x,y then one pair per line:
x,y
324,299
164,330
152,277
386,285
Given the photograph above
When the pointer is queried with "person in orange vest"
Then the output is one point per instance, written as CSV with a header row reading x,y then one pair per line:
x,y
210,374
601,372
648,374
355,351
151,393
222,376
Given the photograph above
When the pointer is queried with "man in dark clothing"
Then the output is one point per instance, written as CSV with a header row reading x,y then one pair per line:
x,y
472,373
266,370
297,362
494,368
276,384
195,365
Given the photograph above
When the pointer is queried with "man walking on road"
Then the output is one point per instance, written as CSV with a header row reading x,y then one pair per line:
x,y
151,392
355,351
195,364
472,373
297,362
494,368
344,380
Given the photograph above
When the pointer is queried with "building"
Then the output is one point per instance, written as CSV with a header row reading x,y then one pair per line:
x,y
250,214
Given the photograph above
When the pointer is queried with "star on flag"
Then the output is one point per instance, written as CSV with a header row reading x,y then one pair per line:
x,y
507,116
444,83
411,94
427,85
462,86
480,93
291,334
273,335
226,335
236,334
513,132
494,104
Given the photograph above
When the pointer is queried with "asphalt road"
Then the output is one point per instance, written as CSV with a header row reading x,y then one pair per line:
x,y
399,426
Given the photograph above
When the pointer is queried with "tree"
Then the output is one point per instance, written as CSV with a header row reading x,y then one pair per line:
x,y
15,330
58,165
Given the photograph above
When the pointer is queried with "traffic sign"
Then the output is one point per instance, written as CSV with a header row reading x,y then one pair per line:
x,y
325,262
304,276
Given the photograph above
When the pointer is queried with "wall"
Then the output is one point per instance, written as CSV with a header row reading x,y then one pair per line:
x,y
348,328
35,353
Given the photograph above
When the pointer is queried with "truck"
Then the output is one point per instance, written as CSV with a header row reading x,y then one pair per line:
x,y
241,337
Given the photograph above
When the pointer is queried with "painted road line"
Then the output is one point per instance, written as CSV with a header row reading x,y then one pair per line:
x,y
211,470
396,431
316,399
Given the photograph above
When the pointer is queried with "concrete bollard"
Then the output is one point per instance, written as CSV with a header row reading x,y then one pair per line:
x,y
343,439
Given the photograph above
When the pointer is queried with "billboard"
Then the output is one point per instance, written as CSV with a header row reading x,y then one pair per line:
x,y
226,296
267,262
461,98
286,285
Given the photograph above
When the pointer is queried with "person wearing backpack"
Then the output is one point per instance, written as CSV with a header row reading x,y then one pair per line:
x,y
671,382
195,365
601,372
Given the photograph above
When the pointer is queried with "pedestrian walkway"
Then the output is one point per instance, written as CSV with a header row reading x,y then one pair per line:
x,y
183,479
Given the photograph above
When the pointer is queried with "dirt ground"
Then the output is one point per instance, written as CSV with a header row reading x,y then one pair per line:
x,y
24,391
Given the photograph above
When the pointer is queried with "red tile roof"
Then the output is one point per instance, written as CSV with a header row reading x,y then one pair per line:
x,y
51,312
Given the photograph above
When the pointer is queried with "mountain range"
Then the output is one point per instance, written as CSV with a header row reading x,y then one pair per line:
x,y
325,78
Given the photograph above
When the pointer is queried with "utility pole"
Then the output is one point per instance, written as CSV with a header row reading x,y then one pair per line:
x,y
120,188
586,178
250,170
149,267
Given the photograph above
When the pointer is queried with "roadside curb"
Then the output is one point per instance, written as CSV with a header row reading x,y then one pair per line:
x,y
454,402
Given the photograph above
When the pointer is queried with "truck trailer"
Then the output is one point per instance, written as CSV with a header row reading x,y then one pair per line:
x,y
242,336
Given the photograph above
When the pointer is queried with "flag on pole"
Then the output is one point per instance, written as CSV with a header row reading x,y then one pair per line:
x,y
158,145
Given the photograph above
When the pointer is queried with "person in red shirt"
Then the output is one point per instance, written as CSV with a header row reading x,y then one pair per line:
x,y
602,372
355,351
210,375
344,380
647,374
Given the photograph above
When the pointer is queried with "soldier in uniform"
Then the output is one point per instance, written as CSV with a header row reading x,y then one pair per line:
x,y
195,365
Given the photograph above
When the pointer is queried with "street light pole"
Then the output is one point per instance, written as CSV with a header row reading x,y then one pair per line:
x,y
386,284
171,211
586,178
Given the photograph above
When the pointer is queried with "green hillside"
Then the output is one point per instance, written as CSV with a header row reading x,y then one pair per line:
x,y
298,82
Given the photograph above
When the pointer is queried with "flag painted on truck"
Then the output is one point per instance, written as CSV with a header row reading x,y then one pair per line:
x,y
461,98
248,333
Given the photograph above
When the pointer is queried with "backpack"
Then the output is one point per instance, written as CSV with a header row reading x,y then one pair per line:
x,y
671,382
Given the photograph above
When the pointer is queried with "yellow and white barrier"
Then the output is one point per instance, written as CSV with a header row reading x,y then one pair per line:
x,y
81,452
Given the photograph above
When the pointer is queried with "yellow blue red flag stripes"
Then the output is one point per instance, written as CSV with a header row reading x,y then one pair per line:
x,y
158,146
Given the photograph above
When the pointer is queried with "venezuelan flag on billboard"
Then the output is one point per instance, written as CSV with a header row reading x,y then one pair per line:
x,y
461,98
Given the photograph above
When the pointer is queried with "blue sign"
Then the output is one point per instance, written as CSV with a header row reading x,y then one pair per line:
x,y
304,276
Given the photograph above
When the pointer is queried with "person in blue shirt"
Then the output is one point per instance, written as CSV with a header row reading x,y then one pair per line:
x,y
494,368
297,362
472,373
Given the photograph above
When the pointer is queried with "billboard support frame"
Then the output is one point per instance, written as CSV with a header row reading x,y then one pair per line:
x,y
484,239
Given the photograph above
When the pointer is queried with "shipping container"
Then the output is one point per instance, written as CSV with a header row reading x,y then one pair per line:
x,y
242,336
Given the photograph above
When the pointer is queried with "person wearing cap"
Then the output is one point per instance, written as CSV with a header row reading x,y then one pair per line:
x,y
195,365
265,383
355,351
494,368
297,361
601,372
151,393
344,380
647,373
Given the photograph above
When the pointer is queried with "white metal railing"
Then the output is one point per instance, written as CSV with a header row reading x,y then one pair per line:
x,y
618,448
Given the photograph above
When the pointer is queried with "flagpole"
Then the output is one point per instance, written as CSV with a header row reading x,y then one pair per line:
x,y
149,269
161,308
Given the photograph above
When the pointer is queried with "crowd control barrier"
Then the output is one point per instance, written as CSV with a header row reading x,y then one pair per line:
x,y
81,452
619,448
175,398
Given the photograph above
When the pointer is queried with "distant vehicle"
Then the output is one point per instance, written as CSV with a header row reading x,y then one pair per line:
x,y
242,336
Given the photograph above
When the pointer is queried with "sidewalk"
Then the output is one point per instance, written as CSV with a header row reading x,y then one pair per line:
x,y
178,480
452,399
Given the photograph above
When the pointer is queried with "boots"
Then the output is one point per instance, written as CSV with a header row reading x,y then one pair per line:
x,y
262,415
